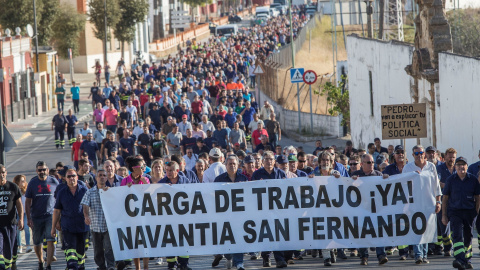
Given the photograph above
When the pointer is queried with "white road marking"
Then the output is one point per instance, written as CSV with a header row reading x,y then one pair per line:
x,y
31,151
40,139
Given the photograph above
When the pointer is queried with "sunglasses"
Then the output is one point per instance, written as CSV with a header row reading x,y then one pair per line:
x,y
71,176
141,167
42,170
400,152
368,162
302,161
418,153
354,164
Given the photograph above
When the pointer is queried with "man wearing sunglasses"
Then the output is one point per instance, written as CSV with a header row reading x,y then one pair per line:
x,y
39,205
399,162
74,229
302,163
421,164
368,169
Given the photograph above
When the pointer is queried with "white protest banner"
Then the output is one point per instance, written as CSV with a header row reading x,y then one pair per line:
x,y
285,214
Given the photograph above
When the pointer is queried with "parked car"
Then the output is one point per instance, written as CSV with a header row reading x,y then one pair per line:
x,y
234,18
274,12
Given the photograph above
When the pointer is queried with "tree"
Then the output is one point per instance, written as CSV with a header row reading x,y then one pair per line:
x,y
45,22
131,12
465,28
96,15
10,17
66,29
337,99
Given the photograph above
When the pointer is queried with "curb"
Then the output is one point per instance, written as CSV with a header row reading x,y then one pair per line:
x,y
23,137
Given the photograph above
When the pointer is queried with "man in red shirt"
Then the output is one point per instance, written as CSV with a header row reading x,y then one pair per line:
x,y
75,148
257,134
111,116
197,108
144,98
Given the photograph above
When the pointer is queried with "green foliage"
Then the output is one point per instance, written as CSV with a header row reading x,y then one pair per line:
x,y
465,29
19,13
45,22
194,3
131,11
67,27
97,18
338,102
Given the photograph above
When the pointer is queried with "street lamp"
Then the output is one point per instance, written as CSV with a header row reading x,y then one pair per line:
x,y
106,37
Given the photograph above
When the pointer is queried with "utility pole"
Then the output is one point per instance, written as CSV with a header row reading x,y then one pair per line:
x,y
381,19
36,38
106,29
369,18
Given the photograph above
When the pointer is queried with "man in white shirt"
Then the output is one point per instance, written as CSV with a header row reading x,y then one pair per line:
x,y
421,164
184,125
190,158
132,110
216,167
207,125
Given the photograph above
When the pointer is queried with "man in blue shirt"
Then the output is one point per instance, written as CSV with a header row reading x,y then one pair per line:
x,y
75,90
172,176
461,202
232,176
127,144
444,171
91,148
74,229
399,162
39,205
269,171
248,113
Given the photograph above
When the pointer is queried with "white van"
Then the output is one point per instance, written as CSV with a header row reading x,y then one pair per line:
x,y
226,30
262,11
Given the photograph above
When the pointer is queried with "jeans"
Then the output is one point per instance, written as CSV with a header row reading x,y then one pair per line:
x,y
60,103
42,227
76,108
107,77
278,255
27,232
379,250
103,252
237,258
420,251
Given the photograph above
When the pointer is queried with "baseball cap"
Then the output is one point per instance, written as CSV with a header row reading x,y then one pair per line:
x,y
155,104
215,153
248,159
236,144
292,158
461,159
430,148
282,159
398,147
184,116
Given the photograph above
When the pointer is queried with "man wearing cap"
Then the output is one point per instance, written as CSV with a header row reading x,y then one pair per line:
x,y
232,175
399,162
95,218
216,168
184,125
460,206
249,167
293,164
282,163
445,170
367,169
60,123
269,171
432,156
421,164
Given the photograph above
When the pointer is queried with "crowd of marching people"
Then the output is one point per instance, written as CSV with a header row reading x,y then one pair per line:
x,y
191,119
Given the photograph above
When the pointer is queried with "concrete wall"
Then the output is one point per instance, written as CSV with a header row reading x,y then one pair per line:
x,y
324,125
456,95
390,84
84,64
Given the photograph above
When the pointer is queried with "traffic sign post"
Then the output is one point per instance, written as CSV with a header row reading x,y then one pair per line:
x,y
310,77
296,76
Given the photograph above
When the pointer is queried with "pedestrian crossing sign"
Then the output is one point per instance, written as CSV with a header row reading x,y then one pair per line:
x,y
296,75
